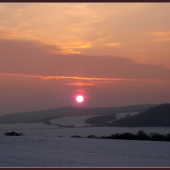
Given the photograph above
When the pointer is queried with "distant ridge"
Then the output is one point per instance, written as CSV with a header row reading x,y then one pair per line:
x,y
44,115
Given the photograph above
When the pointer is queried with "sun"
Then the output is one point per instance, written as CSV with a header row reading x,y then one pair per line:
x,y
79,99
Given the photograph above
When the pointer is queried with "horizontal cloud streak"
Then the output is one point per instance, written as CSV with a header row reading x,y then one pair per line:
x,y
100,80
32,58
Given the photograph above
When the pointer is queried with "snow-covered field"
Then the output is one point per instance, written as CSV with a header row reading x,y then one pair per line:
x,y
42,147
29,151
79,121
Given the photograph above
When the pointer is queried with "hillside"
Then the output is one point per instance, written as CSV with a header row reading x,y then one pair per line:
x,y
155,116
45,115
99,120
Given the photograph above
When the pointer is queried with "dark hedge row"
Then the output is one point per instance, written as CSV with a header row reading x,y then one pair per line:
x,y
141,135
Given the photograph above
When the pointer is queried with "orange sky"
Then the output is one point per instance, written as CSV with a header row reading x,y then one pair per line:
x,y
114,54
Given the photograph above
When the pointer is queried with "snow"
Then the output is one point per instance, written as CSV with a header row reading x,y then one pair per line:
x,y
79,121
43,146
32,151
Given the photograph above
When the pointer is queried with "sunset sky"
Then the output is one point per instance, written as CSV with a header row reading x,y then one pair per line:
x,y
114,54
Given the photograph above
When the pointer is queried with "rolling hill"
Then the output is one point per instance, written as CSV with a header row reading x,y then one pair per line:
x,y
158,116
44,115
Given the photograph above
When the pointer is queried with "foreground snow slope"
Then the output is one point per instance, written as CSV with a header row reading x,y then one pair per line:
x,y
32,151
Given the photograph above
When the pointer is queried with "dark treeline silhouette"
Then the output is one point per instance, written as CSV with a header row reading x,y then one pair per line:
x,y
158,116
99,120
141,135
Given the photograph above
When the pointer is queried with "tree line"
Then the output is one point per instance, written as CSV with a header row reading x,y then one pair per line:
x,y
158,116
141,135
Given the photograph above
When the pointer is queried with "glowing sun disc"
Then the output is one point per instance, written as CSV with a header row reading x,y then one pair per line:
x,y
79,99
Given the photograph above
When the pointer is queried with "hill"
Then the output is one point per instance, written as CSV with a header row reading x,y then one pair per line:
x,y
100,120
45,115
155,116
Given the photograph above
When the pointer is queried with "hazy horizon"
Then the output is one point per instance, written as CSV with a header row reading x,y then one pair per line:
x,y
114,54
75,107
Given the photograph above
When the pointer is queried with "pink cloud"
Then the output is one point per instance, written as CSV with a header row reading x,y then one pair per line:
x,y
33,58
